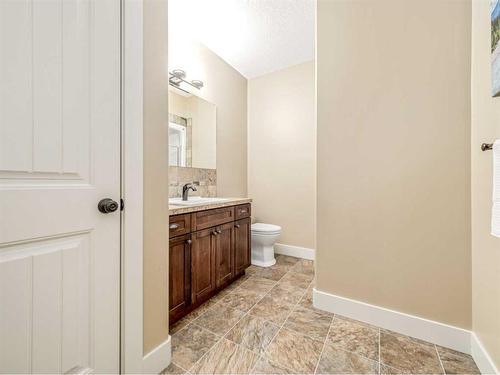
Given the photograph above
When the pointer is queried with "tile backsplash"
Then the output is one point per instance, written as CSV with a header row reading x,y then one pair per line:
x,y
205,181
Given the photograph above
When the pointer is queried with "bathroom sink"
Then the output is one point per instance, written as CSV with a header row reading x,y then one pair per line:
x,y
194,201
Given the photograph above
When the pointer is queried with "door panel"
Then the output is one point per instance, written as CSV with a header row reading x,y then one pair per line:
x,y
179,274
45,125
203,264
242,245
16,88
224,253
59,155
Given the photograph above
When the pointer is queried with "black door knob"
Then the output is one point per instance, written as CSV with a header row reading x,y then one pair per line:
x,y
107,205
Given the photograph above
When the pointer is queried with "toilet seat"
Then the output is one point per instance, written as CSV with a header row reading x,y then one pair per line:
x,y
265,229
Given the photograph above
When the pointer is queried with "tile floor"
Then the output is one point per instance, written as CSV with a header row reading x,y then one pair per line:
x,y
265,323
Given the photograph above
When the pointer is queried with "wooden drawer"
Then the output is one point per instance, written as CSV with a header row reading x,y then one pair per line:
x,y
179,225
242,211
211,218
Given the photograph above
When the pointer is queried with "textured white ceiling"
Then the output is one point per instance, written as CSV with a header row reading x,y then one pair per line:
x,y
254,36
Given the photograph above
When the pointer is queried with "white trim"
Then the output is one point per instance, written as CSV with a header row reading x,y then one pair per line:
x,y
294,251
132,188
410,325
158,359
481,356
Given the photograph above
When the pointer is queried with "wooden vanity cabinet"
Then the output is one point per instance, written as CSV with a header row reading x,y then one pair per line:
x,y
209,258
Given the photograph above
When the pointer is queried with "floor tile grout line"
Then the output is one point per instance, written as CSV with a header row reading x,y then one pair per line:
x,y
213,346
324,344
336,346
219,338
356,354
310,310
182,368
439,358
335,317
416,341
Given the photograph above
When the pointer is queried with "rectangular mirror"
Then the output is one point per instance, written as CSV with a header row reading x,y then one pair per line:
x,y
192,131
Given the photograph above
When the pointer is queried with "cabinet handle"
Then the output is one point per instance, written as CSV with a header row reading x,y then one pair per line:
x,y
189,242
219,231
174,226
214,233
236,225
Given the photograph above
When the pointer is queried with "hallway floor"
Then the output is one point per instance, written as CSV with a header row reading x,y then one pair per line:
x,y
265,323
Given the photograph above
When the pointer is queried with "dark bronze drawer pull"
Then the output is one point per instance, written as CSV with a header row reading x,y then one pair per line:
x,y
174,226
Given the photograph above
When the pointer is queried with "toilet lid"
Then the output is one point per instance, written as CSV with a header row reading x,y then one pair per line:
x,y
265,228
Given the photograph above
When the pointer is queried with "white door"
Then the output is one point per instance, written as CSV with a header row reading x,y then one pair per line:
x,y
59,156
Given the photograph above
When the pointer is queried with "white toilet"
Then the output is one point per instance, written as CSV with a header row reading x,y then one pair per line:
x,y
263,238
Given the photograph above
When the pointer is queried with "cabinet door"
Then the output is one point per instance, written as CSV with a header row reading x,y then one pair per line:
x,y
224,254
180,272
202,264
242,249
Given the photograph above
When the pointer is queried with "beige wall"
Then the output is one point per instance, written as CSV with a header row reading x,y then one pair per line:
x,y
227,89
394,155
155,174
485,248
282,152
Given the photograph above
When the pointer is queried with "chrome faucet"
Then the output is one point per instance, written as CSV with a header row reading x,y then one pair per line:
x,y
185,190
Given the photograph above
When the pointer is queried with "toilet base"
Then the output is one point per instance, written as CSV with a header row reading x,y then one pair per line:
x,y
263,256
263,264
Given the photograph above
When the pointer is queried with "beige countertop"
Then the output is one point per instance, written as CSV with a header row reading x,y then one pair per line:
x,y
176,210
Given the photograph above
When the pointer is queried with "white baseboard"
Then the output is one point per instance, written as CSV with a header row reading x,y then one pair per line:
x,y
158,359
481,356
410,325
294,251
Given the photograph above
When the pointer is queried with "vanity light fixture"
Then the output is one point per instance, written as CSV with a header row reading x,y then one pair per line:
x,y
178,76
197,83
179,73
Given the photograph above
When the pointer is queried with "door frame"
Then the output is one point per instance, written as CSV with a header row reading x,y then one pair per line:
x,y
132,356
131,330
